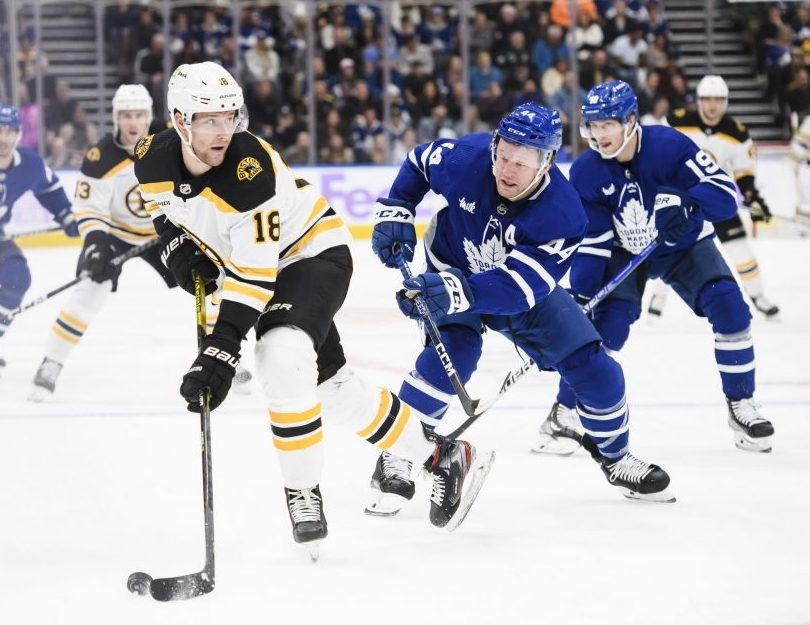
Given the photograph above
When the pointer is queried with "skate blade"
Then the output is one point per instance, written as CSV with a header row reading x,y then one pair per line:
x,y
549,445
664,496
39,394
746,443
313,548
482,465
385,504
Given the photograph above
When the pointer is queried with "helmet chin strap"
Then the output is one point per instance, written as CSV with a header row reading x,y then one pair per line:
x,y
538,177
628,135
188,148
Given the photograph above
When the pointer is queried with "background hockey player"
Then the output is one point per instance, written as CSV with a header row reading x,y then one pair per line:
x,y
638,185
800,158
270,235
729,143
22,170
495,255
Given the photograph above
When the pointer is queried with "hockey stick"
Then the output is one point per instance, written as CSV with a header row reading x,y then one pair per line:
x,y
30,233
201,583
118,260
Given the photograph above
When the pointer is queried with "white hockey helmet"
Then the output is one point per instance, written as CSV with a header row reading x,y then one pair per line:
x,y
130,98
712,86
205,88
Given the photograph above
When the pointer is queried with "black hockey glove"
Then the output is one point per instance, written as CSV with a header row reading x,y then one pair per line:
x,y
214,369
183,257
759,209
674,213
95,260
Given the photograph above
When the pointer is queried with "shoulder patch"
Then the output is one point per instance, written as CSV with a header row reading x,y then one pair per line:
x,y
679,112
93,155
248,168
142,147
741,127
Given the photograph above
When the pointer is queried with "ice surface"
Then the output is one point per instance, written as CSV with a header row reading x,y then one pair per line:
x,y
104,480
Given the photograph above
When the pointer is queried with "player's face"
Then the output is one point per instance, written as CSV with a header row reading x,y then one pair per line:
x,y
132,126
712,109
608,134
8,141
211,134
515,168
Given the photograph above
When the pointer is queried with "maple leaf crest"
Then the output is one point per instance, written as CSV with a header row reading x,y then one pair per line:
x,y
634,227
491,253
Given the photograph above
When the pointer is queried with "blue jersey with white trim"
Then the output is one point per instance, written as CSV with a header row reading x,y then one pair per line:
x,y
28,172
619,199
513,253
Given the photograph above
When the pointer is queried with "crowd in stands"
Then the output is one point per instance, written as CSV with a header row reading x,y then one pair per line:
x,y
518,51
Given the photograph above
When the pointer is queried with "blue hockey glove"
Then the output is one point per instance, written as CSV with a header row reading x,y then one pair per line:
x,y
68,221
445,293
393,226
213,369
673,214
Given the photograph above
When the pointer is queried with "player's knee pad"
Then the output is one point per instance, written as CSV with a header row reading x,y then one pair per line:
x,y
15,280
287,368
595,378
346,398
613,318
463,344
723,305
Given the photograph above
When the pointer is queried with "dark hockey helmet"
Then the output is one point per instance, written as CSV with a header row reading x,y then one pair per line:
x,y
533,126
10,116
610,100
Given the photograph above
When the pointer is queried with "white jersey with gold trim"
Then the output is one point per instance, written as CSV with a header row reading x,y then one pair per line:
x,y
107,197
729,143
251,215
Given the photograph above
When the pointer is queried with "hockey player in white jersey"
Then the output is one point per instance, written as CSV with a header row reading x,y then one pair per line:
x,y
800,158
227,207
728,141
23,170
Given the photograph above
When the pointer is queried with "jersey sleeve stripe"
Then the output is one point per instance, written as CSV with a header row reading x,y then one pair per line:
x,y
117,168
522,285
157,187
217,201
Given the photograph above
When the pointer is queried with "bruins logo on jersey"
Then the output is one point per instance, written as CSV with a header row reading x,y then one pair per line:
x,y
93,155
143,146
135,203
248,168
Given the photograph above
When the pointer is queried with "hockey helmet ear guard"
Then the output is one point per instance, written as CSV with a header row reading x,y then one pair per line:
x,y
205,88
532,126
606,101
10,116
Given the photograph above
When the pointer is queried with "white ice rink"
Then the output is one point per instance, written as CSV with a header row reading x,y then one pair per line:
x,y
105,479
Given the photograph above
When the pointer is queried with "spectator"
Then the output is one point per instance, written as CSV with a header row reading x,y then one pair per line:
x,y
298,152
567,100
437,124
648,91
30,62
61,109
482,32
412,50
629,51
29,118
262,100
482,74
336,151
596,70
545,52
554,77
342,48
587,36
560,15
149,72
494,104
366,126
262,62
618,21
658,112
514,59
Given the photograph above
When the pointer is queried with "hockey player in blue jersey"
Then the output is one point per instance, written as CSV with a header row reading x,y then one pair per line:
x,y
22,170
495,255
640,185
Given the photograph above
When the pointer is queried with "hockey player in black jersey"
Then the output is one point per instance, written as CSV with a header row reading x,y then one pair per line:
x,y
228,207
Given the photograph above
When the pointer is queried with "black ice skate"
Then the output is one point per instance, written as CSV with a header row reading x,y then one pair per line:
x,y
306,513
45,380
752,431
458,475
391,485
634,477
561,432
765,306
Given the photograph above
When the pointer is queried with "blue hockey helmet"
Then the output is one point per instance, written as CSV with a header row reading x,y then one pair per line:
x,y
533,126
610,100
10,116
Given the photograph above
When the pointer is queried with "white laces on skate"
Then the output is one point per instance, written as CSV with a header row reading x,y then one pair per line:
x,y
629,469
304,505
437,494
396,467
746,411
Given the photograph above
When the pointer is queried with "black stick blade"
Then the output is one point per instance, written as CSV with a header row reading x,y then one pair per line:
x,y
182,587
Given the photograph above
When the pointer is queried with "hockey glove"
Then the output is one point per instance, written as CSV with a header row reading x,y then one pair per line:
x,y
445,293
95,260
213,369
68,221
673,214
393,226
759,209
183,257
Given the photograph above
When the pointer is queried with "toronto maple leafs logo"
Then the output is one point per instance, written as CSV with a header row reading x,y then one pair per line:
x,y
634,225
491,252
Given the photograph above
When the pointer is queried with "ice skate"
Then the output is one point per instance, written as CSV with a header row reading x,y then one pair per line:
x,y
656,306
765,306
306,513
391,485
45,380
458,474
560,433
242,381
634,477
752,431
